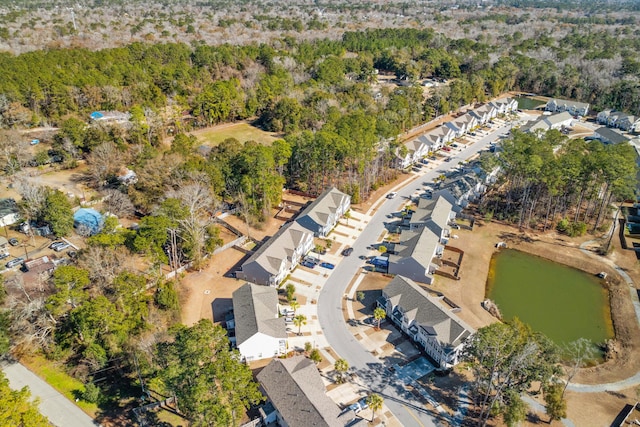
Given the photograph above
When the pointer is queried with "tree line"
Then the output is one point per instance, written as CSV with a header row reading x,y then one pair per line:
x,y
548,176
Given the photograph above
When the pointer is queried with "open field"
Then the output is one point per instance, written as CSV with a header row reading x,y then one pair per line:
x,y
242,131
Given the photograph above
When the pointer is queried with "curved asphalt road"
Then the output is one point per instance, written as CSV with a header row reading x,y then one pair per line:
x,y
371,371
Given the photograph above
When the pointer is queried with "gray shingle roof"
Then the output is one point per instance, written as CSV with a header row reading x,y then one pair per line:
x,y
296,390
255,309
279,247
611,135
427,312
320,210
433,213
419,245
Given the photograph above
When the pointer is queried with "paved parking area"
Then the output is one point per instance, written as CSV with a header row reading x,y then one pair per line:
x,y
414,370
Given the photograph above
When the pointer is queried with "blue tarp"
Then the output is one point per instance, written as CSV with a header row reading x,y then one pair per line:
x,y
96,115
89,219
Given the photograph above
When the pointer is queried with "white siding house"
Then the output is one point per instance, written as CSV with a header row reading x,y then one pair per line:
x,y
324,212
431,325
572,107
271,263
260,332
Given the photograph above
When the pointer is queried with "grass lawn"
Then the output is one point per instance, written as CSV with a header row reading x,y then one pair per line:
x,y
241,131
57,378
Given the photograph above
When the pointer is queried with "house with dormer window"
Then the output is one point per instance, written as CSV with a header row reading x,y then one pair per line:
x,y
434,327
324,212
271,263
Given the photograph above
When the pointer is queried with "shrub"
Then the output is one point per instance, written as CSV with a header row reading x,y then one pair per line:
x,y
563,225
91,393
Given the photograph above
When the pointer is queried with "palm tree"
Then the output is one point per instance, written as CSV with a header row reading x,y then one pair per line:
x,y
300,320
294,306
379,313
341,366
375,403
346,216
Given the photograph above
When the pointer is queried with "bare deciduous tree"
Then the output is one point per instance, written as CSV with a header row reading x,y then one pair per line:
x,y
118,203
104,263
200,203
14,151
104,160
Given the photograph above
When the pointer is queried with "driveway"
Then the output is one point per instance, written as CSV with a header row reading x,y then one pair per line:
x,y
53,405
405,406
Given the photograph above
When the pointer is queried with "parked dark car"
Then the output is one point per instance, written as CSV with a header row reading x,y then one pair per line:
x,y
347,252
327,265
308,264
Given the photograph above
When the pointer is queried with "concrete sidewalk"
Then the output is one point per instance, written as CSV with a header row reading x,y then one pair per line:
x,y
53,405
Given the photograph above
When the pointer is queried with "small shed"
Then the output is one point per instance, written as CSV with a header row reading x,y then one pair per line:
x,y
87,221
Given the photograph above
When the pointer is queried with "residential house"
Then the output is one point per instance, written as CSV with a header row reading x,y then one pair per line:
x,y
431,142
603,116
9,212
464,187
445,133
572,107
434,139
431,325
324,212
484,113
414,254
610,136
628,123
434,214
612,120
620,120
296,391
462,124
415,149
40,265
504,105
270,264
428,233
548,122
259,331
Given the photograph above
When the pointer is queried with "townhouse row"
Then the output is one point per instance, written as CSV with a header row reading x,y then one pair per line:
x,y
416,149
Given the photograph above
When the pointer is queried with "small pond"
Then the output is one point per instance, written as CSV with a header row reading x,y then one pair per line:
x,y
562,302
525,103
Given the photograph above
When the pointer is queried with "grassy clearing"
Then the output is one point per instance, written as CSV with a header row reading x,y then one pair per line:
x,y
55,376
171,418
241,131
